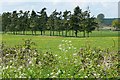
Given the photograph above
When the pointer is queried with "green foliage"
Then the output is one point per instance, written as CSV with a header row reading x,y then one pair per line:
x,y
116,24
39,21
23,62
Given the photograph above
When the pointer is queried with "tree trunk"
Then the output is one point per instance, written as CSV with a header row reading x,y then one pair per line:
x,y
72,33
83,33
50,32
32,32
66,33
53,32
41,32
59,33
62,32
35,32
76,33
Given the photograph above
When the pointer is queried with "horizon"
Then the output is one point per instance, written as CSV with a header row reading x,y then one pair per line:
x,y
106,7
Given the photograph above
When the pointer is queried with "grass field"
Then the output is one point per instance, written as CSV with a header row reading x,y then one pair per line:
x,y
108,39
65,50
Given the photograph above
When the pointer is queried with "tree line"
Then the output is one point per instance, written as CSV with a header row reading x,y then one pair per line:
x,y
62,22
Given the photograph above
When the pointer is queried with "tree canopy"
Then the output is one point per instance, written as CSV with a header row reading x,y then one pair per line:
x,y
23,21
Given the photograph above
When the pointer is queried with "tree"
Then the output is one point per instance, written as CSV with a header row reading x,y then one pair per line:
x,y
42,20
51,22
33,22
66,16
76,19
116,24
14,22
99,19
23,21
89,23
6,22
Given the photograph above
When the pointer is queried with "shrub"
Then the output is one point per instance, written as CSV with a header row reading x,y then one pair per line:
x,y
23,61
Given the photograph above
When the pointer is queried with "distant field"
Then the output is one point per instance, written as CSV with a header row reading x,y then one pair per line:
x,y
102,39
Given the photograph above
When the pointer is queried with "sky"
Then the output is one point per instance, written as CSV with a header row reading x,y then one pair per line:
x,y
108,7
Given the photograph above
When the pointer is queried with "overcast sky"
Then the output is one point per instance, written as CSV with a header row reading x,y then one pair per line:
x,y
108,7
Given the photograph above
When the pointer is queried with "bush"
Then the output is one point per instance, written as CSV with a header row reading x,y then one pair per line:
x,y
23,61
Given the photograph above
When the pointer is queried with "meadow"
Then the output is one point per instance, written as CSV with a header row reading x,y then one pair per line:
x,y
61,57
101,39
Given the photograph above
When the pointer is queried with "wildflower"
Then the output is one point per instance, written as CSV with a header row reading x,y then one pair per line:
x,y
66,58
53,76
93,52
10,60
48,75
59,57
20,67
86,76
10,66
6,67
74,48
69,41
98,65
7,54
60,45
66,50
56,55
95,74
45,54
87,58
62,40
60,48
74,54
35,53
30,62
51,73
65,40
69,48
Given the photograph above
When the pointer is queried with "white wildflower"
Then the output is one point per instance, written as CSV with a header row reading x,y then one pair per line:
x,y
95,74
59,57
98,65
6,67
66,50
51,73
65,40
10,60
60,48
7,54
30,62
35,53
66,58
10,66
20,67
75,54
75,48
56,55
45,54
62,40
86,76
69,48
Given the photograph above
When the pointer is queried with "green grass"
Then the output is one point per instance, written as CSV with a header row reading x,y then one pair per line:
x,y
44,43
109,39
